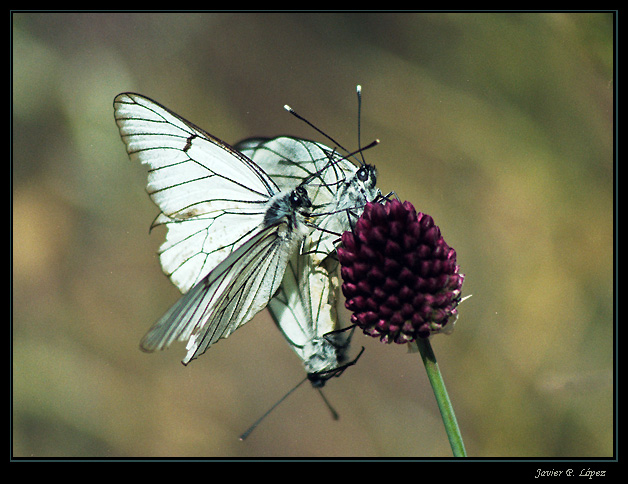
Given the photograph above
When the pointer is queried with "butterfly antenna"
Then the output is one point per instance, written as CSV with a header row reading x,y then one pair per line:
x,y
317,129
334,414
359,92
298,116
259,420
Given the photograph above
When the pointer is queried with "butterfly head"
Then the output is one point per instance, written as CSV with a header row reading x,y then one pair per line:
x,y
359,188
293,207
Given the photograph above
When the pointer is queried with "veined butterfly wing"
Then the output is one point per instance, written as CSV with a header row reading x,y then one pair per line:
x,y
229,296
304,309
230,230
201,185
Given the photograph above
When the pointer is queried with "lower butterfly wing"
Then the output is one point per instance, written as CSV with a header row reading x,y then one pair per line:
x,y
211,197
304,309
194,247
229,296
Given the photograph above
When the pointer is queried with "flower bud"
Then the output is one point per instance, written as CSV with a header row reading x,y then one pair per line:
x,y
400,278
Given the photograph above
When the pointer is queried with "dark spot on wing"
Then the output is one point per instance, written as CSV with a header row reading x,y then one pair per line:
x,y
188,143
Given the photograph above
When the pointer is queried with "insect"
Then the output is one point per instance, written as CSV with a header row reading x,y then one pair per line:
x,y
231,229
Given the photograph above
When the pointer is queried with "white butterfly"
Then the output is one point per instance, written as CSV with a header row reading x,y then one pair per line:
x,y
231,230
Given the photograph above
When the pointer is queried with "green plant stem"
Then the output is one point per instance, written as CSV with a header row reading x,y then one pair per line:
x,y
442,398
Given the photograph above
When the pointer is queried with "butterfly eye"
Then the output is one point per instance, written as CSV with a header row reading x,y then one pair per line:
x,y
363,173
300,198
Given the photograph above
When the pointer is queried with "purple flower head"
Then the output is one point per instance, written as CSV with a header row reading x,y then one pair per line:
x,y
400,278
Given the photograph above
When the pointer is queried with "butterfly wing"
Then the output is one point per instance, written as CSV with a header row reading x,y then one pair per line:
x,y
229,296
304,309
211,197
291,160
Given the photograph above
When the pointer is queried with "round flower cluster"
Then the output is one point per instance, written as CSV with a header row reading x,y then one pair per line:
x,y
400,278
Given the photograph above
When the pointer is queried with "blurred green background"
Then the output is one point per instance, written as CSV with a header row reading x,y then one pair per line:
x,y
499,125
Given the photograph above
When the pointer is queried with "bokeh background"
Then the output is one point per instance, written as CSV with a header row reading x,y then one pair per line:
x,y
499,125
